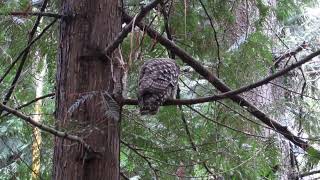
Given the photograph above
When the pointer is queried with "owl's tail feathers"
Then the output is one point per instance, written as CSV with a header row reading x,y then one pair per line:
x,y
148,111
149,104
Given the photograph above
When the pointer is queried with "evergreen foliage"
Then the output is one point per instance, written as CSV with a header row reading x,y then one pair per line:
x,y
240,48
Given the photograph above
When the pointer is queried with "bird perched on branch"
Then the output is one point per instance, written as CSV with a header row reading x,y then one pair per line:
x,y
158,81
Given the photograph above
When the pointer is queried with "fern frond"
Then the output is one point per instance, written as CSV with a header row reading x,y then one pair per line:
x,y
80,101
111,107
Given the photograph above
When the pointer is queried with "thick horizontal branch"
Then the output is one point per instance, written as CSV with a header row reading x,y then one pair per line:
x,y
234,92
241,89
170,102
46,128
185,57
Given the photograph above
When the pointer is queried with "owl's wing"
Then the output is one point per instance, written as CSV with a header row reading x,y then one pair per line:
x,y
157,80
153,85
157,77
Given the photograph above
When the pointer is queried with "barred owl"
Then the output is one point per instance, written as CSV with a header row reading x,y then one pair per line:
x,y
158,81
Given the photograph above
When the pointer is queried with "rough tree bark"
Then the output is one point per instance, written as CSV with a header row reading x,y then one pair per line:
x,y
80,79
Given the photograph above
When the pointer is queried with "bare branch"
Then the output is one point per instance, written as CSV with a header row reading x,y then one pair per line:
x,y
221,86
214,33
294,92
308,173
166,16
223,125
289,54
124,176
155,171
46,128
271,77
125,31
30,102
44,14
188,132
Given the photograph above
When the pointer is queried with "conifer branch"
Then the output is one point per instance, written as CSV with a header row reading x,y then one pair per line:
x,y
24,56
221,86
232,93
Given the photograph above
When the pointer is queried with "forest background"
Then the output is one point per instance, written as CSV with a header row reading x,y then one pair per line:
x,y
247,105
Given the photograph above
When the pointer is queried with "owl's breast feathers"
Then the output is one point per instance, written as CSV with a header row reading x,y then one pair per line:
x,y
157,81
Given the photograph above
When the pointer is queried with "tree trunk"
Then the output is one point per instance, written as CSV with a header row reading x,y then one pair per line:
x,y
37,139
264,96
80,80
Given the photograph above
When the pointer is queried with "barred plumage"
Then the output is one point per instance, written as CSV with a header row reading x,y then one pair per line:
x,y
157,82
